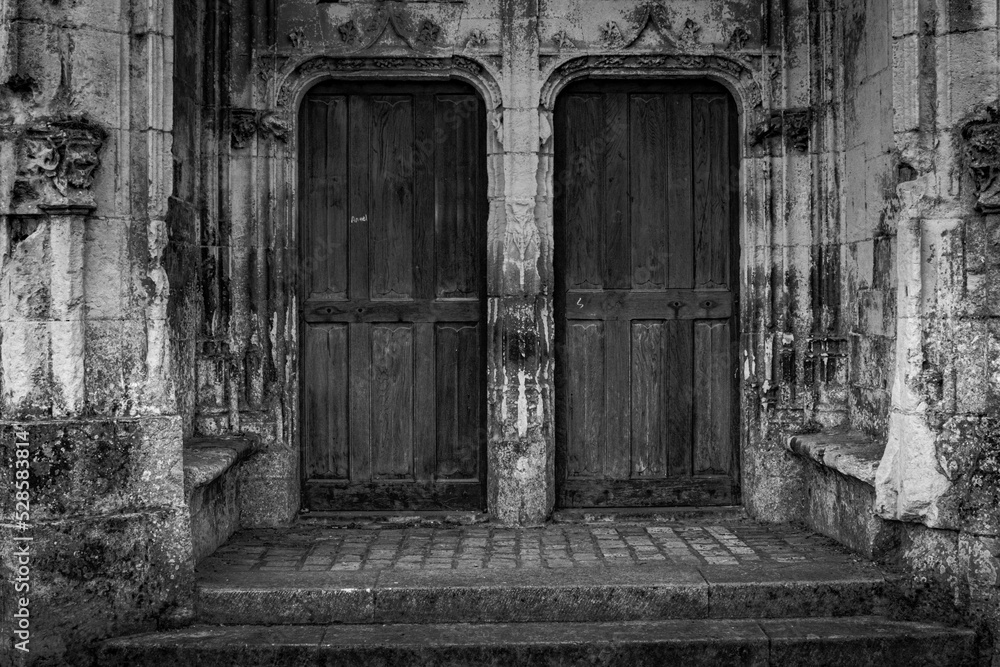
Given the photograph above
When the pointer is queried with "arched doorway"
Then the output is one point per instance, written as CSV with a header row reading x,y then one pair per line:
x,y
646,249
392,211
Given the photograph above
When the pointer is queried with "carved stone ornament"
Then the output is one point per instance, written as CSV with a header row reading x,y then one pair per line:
x,y
611,34
428,34
476,39
332,65
562,41
982,158
244,123
242,126
297,37
739,74
793,124
349,32
57,161
738,40
688,37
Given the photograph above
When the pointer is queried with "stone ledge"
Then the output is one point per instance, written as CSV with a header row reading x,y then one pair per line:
x,y
849,452
207,459
211,490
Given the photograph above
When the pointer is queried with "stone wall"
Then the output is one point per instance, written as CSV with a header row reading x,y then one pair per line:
x,y
85,353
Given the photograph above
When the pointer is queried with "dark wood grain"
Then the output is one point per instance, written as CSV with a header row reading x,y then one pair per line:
x,y
698,490
645,310
618,379
648,455
359,184
679,378
680,211
360,350
648,175
393,311
712,387
392,401
582,183
391,219
425,398
324,420
617,206
393,213
661,304
585,354
456,182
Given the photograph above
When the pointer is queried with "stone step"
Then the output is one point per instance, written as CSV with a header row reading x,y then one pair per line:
x,y
859,642
637,593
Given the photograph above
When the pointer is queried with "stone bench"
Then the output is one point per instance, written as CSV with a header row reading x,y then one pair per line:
x,y
840,470
211,488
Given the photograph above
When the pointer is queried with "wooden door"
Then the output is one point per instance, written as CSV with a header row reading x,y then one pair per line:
x,y
393,216
645,218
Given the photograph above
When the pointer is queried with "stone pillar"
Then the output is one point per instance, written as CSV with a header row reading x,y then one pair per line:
x,y
521,447
85,369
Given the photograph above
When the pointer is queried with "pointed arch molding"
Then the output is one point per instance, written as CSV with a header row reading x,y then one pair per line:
x,y
735,74
311,70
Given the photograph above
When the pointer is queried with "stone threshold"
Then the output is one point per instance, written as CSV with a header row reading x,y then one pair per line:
x,y
847,451
859,641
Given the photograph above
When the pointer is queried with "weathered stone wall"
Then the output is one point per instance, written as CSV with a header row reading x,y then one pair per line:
x,y
85,358
942,462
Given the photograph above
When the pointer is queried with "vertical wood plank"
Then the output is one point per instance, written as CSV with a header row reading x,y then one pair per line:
x,y
314,192
324,416
424,408
424,223
679,377
391,219
583,181
711,190
448,412
721,200
712,392
680,211
360,401
585,359
470,393
459,389
392,401
359,184
648,176
618,248
618,360
648,405
457,196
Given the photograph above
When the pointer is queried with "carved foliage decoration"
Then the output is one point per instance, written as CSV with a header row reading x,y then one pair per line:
x,y
982,158
562,41
738,40
57,160
359,34
793,124
376,64
244,123
640,65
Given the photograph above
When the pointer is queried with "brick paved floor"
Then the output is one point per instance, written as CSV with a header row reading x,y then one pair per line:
x,y
324,548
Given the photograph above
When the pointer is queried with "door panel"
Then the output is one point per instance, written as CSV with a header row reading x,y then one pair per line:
x,y
393,211
645,306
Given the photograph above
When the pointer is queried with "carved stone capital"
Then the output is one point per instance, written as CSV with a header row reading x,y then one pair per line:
x,y
982,158
245,123
793,124
56,163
